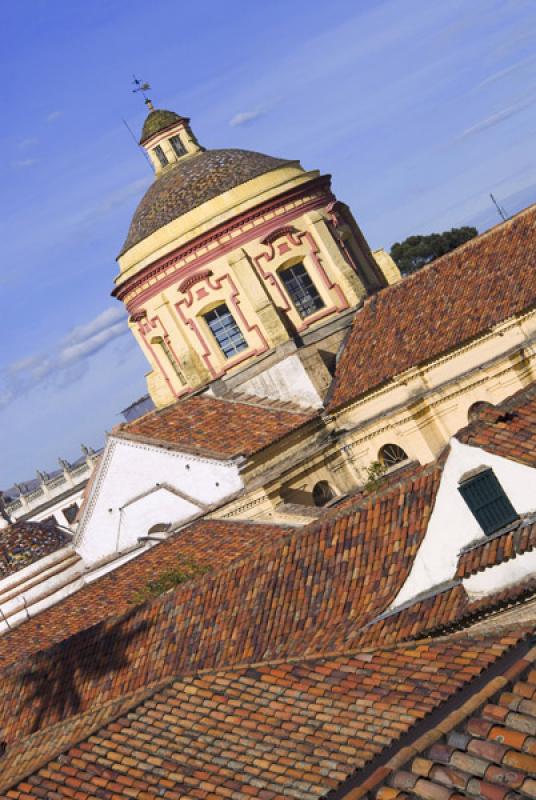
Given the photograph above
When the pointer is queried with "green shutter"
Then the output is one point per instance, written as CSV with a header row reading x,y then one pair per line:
x,y
487,501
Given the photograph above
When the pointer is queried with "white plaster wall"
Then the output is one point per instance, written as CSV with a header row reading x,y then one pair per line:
x,y
452,526
287,381
111,521
138,517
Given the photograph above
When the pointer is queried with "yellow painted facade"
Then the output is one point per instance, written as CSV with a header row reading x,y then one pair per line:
x,y
231,250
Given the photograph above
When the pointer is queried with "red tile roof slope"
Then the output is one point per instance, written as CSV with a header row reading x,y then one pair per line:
x,y
273,731
275,677
498,549
210,543
283,600
508,429
222,428
491,754
453,300
22,543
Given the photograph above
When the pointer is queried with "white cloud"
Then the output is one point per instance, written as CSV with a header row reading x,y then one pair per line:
x,y
101,322
54,115
496,119
29,142
68,361
503,73
244,117
24,163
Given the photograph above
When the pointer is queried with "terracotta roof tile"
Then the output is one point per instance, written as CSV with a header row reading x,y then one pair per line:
x,y
274,730
284,599
519,539
210,543
191,182
508,429
491,754
23,543
222,428
453,300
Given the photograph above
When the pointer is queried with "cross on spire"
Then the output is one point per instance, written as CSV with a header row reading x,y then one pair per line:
x,y
143,87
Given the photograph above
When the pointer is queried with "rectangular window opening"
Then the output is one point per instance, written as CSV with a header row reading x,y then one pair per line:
x,y
161,155
487,501
177,145
225,330
301,290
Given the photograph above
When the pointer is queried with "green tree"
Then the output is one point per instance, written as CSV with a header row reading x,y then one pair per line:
x,y
416,251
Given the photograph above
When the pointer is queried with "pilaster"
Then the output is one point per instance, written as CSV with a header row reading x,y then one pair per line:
x,y
258,296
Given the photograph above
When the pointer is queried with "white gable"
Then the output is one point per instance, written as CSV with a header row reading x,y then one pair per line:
x,y
138,485
452,526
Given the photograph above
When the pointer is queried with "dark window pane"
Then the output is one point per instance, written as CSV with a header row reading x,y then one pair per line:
x,y
177,145
70,513
225,330
487,501
301,290
161,155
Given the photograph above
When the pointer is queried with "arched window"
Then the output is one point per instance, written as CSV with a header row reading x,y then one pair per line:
x,y
391,454
159,527
322,493
474,411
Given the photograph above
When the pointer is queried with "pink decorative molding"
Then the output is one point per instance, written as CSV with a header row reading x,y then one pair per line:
x,y
138,316
195,278
216,289
187,260
307,245
278,233
150,327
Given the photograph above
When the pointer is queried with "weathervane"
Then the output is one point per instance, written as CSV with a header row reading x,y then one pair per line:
x,y
143,87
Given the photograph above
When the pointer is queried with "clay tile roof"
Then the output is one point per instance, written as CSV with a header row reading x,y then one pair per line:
x,y
359,563
158,120
518,539
221,428
458,297
22,543
274,731
266,677
488,751
191,182
208,543
508,429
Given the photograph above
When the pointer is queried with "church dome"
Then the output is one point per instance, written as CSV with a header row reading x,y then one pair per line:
x,y
193,181
157,121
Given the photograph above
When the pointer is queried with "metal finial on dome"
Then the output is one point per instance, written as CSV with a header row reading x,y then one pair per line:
x,y
143,87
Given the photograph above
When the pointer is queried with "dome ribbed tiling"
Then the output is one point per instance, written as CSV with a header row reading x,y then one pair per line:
x,y
158,120
192,182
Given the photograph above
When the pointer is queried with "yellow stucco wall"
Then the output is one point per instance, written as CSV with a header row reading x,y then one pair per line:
x,y
174,334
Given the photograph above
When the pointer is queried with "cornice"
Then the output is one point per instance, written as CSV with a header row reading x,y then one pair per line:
x,y
222,238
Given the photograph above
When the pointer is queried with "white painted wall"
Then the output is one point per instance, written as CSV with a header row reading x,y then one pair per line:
x,y
138,517
452,526
125,500
287,380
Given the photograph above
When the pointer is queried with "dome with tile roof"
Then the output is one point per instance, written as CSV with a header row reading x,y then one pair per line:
x,y
158,120
192,181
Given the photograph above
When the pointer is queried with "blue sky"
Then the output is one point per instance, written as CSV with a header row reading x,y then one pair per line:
x,y
419,109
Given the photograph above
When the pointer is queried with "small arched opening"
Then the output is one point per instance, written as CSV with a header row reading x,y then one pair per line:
x,y
322,493
475,410
159,527
390,455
